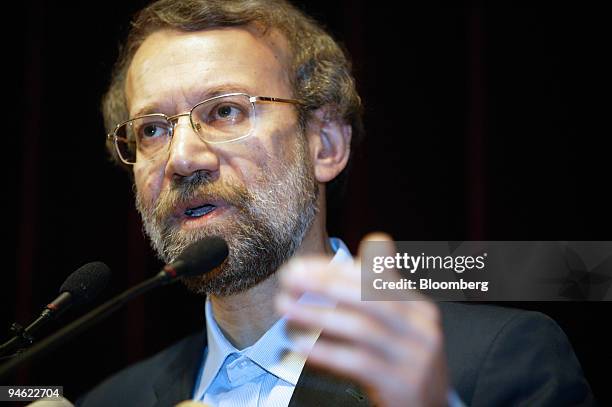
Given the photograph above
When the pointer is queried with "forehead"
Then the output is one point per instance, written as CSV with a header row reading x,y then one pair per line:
x,y
173,70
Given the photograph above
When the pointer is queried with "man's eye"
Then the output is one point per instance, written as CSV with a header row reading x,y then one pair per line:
x,y
152,131
227,112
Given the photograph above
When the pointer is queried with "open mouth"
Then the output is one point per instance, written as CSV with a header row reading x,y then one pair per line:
x,y
199,211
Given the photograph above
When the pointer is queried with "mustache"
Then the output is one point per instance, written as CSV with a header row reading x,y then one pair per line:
x,y
203,186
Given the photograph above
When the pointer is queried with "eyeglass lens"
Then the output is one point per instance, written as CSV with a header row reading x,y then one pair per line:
x,y
220,119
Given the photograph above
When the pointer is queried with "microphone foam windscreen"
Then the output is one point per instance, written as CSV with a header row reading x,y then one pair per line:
x,y
86,283
202,256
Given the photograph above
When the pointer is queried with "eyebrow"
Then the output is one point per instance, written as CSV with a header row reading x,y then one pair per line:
x,y
199,97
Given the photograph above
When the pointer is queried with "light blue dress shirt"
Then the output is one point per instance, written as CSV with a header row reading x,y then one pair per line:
x,y
265,373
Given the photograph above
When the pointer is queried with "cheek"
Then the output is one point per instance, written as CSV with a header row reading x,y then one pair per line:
x,y
276,142
260,155
148,182
246,164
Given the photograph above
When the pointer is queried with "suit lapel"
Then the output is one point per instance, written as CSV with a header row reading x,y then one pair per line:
x,y
318,388
176,381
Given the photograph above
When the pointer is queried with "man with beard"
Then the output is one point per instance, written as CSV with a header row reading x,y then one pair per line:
x,y
237,118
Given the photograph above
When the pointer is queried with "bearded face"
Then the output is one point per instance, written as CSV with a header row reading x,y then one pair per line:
x,y
264,228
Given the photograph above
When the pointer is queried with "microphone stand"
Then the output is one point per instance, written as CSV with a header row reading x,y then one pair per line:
x,y
163,277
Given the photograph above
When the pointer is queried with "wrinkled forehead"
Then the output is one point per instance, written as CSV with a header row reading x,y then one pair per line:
x,y
187,67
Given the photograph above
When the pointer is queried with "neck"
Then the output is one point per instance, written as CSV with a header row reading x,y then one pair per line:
x,y
245,317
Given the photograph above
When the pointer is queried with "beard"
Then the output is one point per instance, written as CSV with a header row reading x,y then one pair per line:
x,y
267,225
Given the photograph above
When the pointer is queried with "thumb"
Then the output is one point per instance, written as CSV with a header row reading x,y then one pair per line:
x,y
377,244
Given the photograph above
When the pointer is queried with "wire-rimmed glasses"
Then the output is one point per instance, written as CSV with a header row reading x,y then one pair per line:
x,y
220,119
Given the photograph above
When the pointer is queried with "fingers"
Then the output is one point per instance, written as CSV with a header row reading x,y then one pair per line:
x,y
373,324
394,348
341,284
388,384
317,275
344,325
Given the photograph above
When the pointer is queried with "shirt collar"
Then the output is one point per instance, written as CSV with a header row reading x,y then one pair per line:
x,y
274,351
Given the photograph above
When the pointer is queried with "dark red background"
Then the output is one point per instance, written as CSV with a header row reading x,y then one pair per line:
x,y
484,122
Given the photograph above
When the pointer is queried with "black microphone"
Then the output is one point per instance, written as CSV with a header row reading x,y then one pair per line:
x,y
199,258
80,287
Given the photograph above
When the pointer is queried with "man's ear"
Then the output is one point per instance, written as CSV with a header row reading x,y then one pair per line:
x,y
329,142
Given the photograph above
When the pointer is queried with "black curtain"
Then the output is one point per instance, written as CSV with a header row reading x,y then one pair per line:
x,y
483,122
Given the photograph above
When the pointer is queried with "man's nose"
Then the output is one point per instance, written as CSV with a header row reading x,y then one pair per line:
x,y
188,152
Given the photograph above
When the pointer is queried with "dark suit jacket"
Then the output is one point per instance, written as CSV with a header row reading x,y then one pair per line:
x,y
496,357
